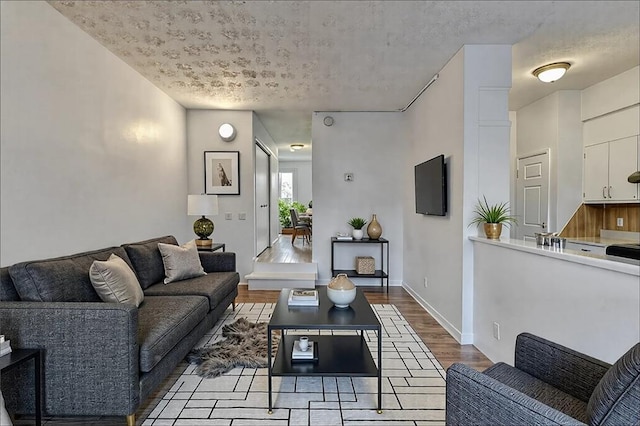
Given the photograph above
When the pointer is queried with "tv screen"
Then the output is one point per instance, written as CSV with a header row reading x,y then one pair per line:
x,y
431,187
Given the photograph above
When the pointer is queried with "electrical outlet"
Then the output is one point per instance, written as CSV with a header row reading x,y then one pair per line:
x,y
242,216
228,216
496,331
348,177
620,222
425,282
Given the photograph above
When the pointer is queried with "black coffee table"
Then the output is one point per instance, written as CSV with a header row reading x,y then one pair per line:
x,y
338,356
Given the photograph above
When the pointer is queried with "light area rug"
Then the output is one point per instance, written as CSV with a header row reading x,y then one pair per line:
x,y
413,386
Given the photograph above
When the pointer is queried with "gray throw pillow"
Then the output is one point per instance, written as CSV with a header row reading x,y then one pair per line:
x,y
180,262
115,282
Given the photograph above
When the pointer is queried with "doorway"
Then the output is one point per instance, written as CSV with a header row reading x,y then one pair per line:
x,y
532,195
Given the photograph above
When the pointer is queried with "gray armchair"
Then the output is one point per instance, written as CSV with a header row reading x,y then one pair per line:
x,y
549,384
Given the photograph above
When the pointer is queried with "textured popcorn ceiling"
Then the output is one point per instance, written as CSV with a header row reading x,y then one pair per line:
x,y
286,59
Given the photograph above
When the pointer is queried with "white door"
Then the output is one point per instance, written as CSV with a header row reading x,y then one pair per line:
x,y
532,197
262,199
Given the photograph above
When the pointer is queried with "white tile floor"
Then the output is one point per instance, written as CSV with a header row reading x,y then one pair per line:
x,y
413,387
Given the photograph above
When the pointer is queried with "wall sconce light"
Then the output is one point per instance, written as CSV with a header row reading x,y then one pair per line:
x,y
227,132
202,205
296,147
552,72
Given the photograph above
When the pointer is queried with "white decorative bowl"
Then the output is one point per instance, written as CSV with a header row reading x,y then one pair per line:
x,y
341,298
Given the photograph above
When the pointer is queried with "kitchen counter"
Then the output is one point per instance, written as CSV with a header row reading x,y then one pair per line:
x,y
613,263
587,302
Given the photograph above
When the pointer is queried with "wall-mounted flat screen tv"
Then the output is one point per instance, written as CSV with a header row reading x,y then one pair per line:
x,y
431,187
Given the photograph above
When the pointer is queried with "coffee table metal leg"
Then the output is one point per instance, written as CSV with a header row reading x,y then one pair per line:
x,y
269,367
379,370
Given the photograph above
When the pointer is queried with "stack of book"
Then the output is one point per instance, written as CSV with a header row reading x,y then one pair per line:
x,y
303,298
343,237
5,346
298,355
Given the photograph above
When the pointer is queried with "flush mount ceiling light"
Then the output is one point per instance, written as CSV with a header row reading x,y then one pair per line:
x,y
552,72
227,132
296,146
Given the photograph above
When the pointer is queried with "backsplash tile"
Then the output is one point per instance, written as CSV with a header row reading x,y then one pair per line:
x,y
589,219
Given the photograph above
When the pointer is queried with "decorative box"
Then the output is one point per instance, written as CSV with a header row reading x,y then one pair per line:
x,y
365,265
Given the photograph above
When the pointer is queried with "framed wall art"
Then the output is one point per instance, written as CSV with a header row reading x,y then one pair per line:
x,y
222,172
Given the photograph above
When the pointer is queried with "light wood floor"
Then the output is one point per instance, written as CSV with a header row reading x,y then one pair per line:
x,y
283,251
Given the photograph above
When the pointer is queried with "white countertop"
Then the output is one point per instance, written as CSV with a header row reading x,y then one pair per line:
x,y
613,263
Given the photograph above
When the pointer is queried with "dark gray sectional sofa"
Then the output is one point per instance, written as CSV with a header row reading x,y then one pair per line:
x,y
106,358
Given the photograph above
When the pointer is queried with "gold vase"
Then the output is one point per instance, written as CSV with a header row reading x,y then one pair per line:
x,y
493,230
374,230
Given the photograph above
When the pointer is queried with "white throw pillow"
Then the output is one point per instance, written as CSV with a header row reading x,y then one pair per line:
x,y
180,262
115,282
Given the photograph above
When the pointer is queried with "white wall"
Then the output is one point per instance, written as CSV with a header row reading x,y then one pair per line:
x,y
303,179
92,154
591,310
202,135
372,147
463,115
553,123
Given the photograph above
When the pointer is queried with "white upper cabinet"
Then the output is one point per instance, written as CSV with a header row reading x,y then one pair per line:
x,y
606,169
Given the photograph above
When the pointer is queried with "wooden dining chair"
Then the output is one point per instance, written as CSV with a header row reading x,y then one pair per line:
x,y
299,228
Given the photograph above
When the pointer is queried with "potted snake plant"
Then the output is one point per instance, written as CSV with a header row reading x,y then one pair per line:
x,y
492,217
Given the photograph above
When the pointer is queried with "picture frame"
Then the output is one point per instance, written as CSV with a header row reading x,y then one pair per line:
x,y
222,172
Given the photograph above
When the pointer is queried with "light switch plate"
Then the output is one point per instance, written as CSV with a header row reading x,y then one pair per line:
x,y
228,216
242,216
620,222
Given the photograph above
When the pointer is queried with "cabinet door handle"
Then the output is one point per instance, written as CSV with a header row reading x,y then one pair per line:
x,y
609,192
604,194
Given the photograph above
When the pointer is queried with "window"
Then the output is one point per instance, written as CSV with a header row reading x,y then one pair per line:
x,y
287,190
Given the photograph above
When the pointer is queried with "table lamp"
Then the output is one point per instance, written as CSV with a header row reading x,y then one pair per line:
x,y
202,205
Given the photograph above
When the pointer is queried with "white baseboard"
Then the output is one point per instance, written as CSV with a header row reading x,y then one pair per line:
x,y
450,328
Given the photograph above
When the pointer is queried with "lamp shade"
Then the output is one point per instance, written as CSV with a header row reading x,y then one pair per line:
x,y
202,205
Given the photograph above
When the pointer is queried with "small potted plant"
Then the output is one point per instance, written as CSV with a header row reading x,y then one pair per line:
x,y
492,217
357,223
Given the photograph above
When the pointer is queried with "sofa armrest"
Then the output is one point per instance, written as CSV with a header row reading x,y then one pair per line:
x,y
218,262
90,355
474,398
563,368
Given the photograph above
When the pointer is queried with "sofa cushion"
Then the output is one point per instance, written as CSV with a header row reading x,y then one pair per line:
x,y
616,399
163,322
62,279
180,262
539,390
115,282
215,286
147,260
8,291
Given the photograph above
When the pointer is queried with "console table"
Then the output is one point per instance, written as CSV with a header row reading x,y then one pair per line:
x,y
382,273
16,358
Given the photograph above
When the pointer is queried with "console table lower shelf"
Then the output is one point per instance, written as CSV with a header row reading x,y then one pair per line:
x,y
338,356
